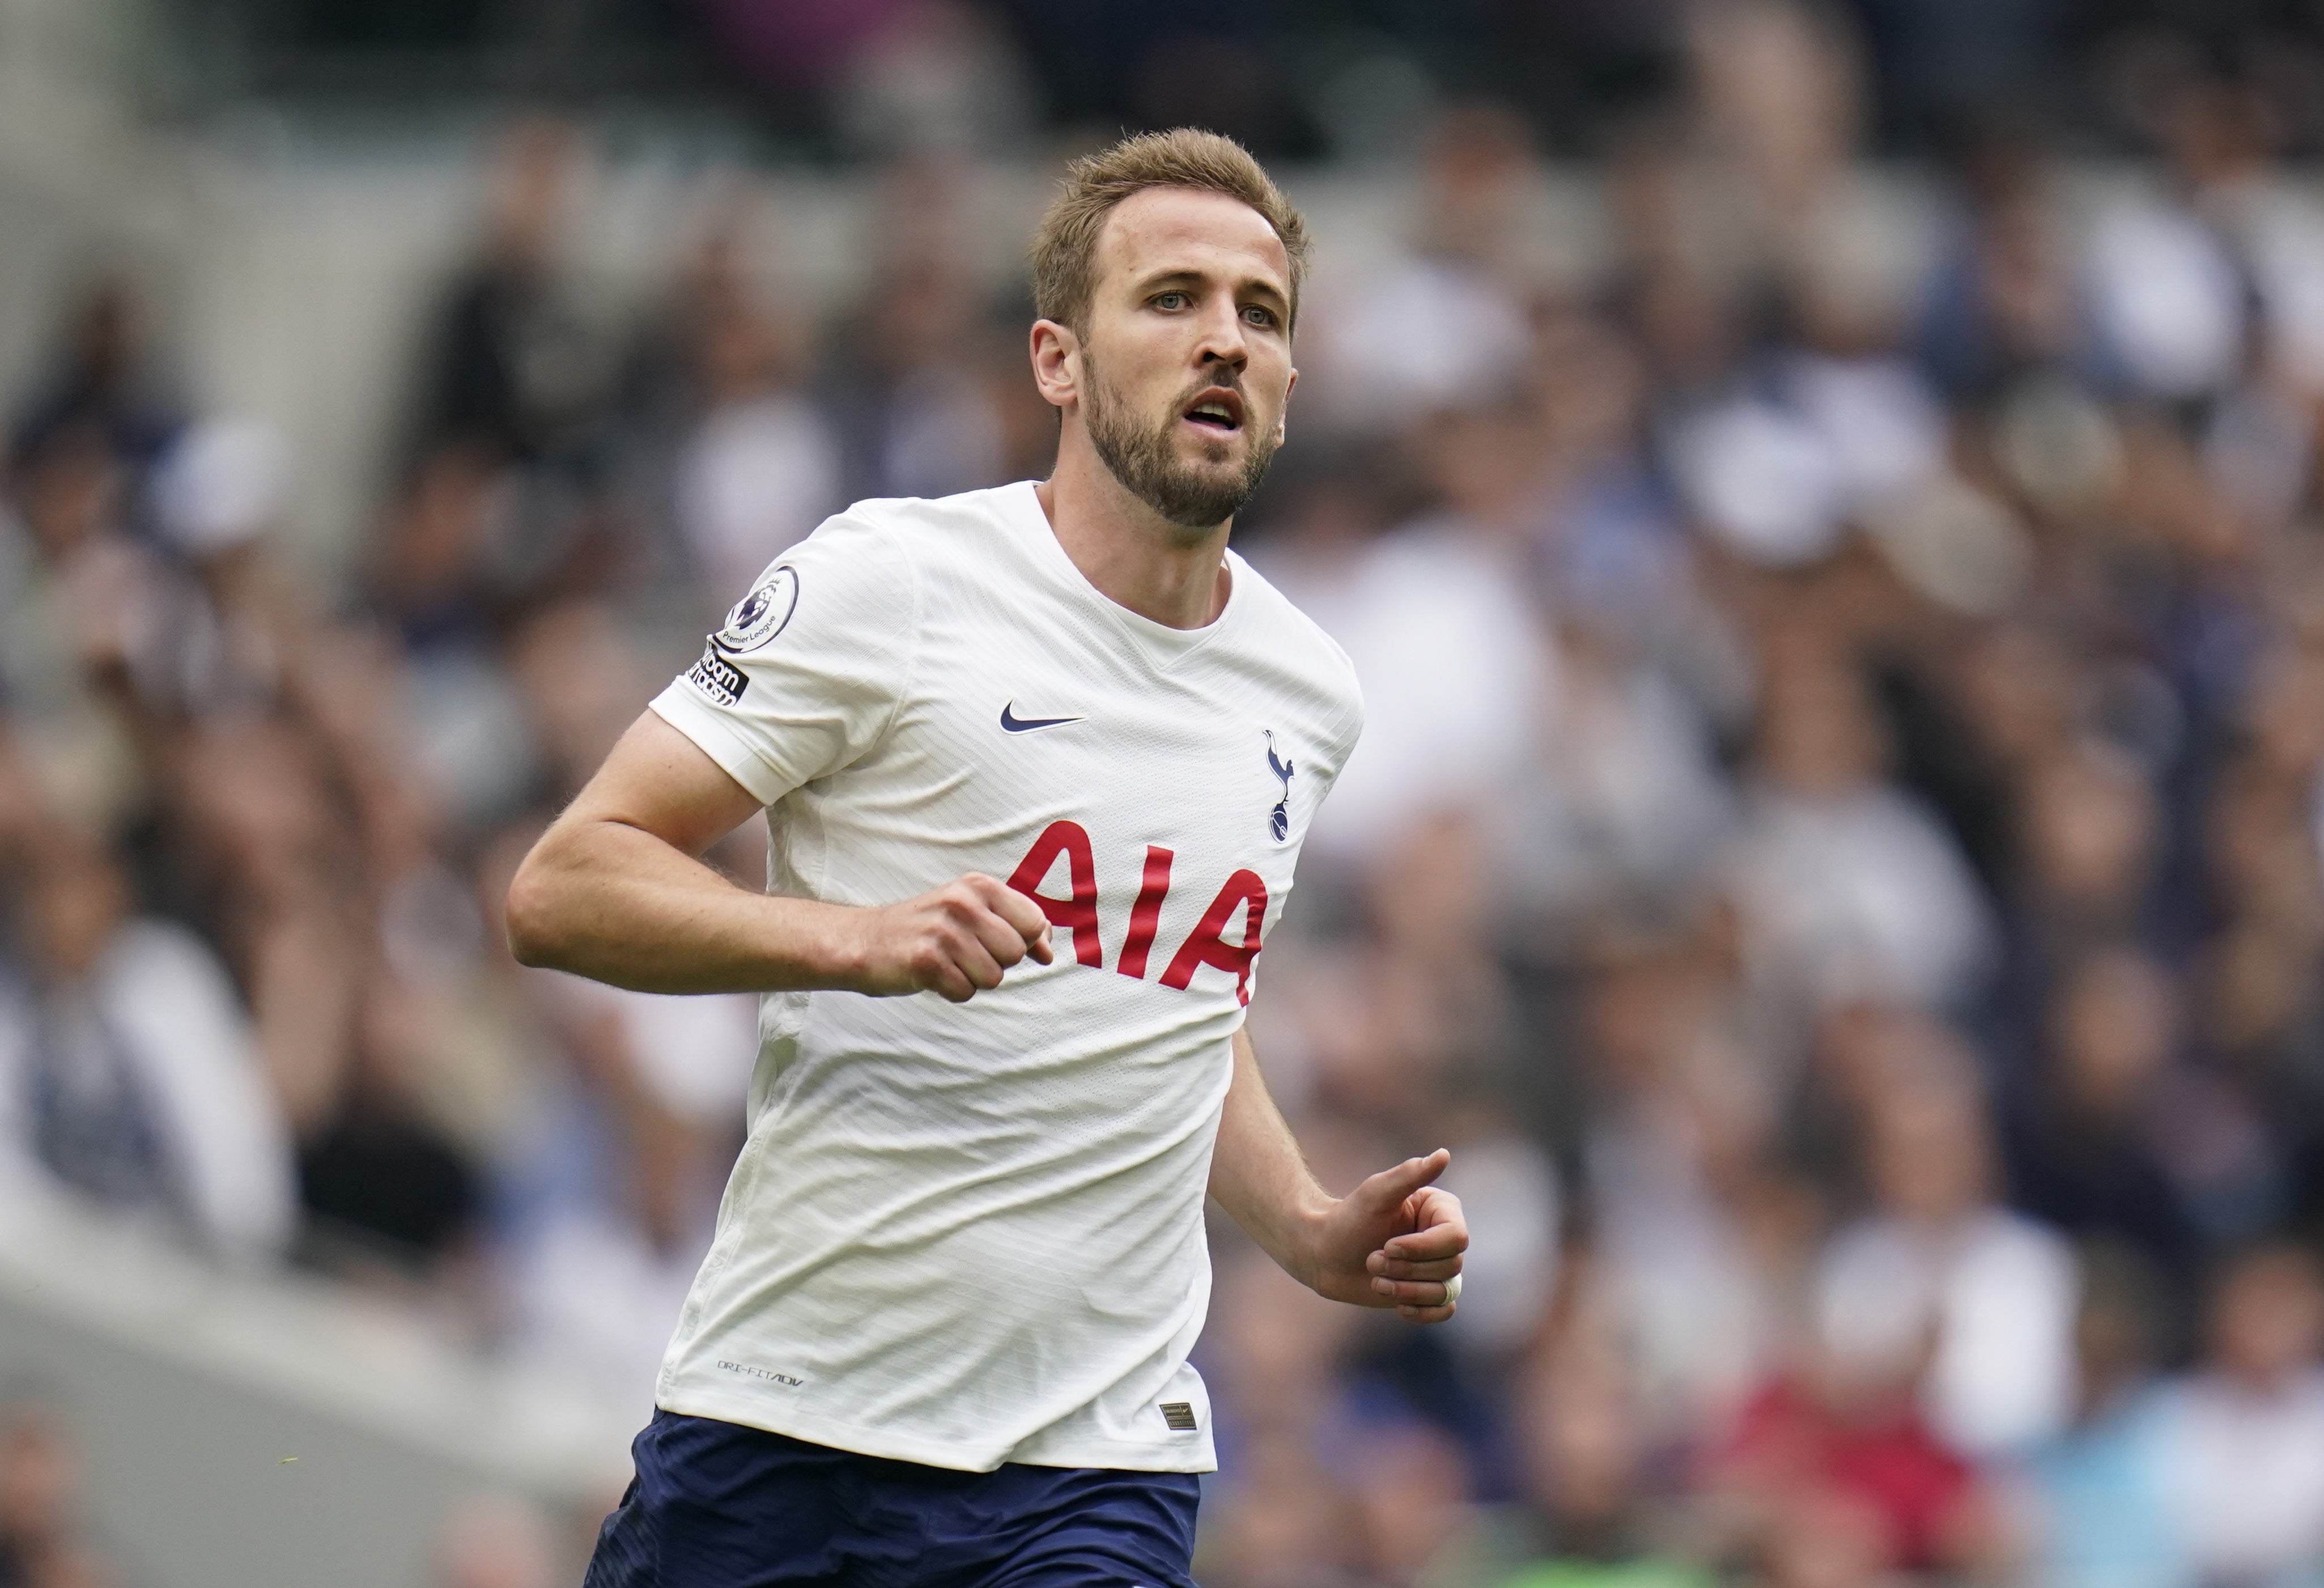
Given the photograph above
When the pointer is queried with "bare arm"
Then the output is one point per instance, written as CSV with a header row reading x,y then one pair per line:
x,y
615,891
1392,1242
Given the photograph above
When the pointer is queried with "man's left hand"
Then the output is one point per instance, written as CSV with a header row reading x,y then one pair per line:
x,y
1395,1241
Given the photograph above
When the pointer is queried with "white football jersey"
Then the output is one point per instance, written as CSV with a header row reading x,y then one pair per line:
x,y
964,1235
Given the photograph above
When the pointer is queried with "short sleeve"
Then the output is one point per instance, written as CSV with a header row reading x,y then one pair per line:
x,y
808,670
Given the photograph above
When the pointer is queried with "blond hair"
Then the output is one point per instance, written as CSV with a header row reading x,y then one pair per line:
x,y
1064,248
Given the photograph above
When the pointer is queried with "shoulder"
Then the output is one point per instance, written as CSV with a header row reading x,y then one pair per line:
x,y
895,538
871,537
930,524
860,571
1299,644
857,588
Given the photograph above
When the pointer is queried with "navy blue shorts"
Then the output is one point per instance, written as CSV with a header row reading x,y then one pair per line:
x,y
718,1505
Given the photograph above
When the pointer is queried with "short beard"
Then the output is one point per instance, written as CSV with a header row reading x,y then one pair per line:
x,y
1149,469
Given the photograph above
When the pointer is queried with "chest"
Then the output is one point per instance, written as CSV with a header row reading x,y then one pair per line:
x,y
1038,707
1145,806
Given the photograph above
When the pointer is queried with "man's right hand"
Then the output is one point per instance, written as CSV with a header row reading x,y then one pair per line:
x,y
956,941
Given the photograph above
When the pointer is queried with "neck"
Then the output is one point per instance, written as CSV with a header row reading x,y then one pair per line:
x,y
1136,557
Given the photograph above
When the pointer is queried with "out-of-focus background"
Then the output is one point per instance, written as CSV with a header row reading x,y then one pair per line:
x,y
1822,499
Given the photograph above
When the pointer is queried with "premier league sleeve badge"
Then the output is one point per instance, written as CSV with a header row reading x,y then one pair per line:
x,y
761,615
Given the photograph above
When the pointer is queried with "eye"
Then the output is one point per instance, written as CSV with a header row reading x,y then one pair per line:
x,y
1260,315
1173,299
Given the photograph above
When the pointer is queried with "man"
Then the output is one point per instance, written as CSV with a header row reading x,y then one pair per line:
x,y
129,1077
941,1337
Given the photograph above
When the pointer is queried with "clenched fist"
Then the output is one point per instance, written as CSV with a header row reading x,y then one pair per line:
x,y
956,941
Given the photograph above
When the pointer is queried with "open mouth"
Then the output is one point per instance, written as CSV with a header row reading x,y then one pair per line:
x,y
1217,409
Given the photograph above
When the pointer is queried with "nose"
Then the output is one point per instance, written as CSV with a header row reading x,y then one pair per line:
x,y
1222,337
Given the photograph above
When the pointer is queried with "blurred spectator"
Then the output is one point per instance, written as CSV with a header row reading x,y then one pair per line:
x,y
717,435
923,391
759,469
1624,822
598,1287
1835,1472
602,1271
1936,1261
1285,1524
1591,1517
578,680
266,854
1777,91
1849,889
1444,327
2083,1146
1508,1188
502,480
1614,559
68,606
2000,304
1698,1236
1825,1538
128,1075
1455,667
1412,1492
2096,1499
42,1541
496,1541
1287,1518
2190,284
509,367
943,76
105,380
2244,1457
2089,839
388,1192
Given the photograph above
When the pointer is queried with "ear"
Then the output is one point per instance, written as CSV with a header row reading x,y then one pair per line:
x,y
1280,418
1057,364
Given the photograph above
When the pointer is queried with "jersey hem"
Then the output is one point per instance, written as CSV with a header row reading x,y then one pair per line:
x,y
927,1452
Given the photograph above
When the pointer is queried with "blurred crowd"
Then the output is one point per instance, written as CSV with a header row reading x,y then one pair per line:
x,y
1835,850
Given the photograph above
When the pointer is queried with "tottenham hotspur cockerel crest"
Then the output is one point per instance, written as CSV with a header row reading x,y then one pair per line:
x,y
1279,820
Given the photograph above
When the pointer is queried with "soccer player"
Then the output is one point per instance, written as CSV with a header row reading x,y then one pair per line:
x,y
1036,762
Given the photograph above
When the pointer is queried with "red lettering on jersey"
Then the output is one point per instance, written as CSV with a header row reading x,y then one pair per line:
x,y
1080,912
1147,913
1207,944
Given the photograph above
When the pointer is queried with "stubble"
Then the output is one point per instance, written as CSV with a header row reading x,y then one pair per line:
x,y
1142,457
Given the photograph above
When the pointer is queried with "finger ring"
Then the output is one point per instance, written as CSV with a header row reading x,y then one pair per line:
x,y
1452,1291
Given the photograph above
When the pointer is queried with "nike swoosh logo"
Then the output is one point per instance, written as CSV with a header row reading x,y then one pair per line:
x,y
1010,723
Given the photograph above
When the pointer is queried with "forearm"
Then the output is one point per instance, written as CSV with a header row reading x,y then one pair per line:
x,y
607,900
1258,1175
614,891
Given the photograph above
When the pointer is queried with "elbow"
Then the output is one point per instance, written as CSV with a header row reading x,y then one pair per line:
x,y
532,916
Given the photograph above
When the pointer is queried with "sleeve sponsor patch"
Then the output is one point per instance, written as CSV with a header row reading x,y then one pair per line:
x,y
717,678
761,615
